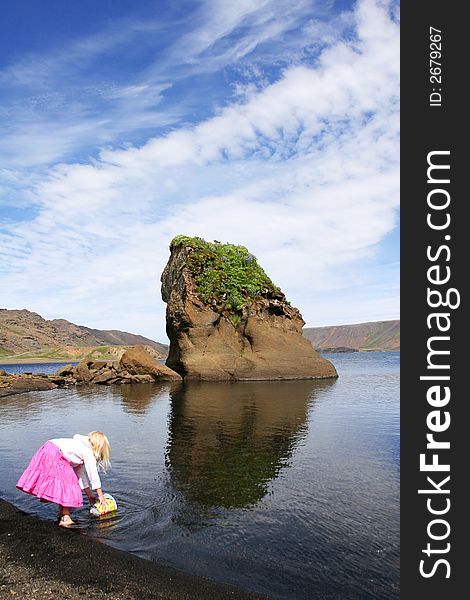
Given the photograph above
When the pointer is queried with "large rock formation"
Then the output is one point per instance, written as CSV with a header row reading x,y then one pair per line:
x,y
226,320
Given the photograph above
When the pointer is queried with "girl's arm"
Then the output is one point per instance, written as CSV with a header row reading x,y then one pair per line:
x,y
91,496
101,498
89,493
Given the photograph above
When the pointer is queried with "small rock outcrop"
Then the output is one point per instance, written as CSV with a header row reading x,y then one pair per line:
x,y
12,383
226,320
136,365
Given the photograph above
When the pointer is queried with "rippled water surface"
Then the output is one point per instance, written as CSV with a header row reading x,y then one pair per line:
x,y
287,488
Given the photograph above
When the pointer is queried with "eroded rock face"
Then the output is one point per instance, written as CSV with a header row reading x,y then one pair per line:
x,y
239,328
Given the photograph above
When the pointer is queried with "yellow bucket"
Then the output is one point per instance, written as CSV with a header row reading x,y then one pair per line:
x,y
103,509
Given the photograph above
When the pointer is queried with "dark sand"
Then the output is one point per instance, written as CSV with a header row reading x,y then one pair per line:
x,y
41,560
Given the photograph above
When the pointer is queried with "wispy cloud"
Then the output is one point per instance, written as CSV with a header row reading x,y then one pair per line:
x,y
73,98
229,31
303,170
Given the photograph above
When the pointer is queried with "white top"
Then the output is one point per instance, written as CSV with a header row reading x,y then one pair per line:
x,y
78,451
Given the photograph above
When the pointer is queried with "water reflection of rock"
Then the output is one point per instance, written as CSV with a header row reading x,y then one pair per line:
x,y
227,441
137,398
18,405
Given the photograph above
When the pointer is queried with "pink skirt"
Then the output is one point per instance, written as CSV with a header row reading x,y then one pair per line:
x,y
50,476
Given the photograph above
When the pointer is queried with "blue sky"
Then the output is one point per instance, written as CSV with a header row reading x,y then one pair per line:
x,y
270,123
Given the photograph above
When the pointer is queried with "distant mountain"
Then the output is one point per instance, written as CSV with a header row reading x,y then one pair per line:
x,y
23,332
377,336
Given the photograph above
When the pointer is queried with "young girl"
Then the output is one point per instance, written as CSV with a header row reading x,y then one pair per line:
x,y
62,468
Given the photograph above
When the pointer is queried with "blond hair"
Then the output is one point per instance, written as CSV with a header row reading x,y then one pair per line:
x,y
101,448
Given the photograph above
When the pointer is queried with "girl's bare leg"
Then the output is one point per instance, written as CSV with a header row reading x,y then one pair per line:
x,y
64,516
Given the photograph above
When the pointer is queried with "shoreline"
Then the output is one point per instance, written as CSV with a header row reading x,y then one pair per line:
x,y
39,361
39,559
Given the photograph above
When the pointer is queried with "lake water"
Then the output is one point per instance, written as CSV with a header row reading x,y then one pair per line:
x,y
286,488
34,367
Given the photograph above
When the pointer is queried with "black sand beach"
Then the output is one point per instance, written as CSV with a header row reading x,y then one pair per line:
x,y
41,560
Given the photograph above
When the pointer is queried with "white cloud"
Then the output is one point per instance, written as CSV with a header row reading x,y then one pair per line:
x,y
61,103
304,173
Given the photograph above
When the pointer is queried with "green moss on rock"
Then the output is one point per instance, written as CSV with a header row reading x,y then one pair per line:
x,y
225,273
